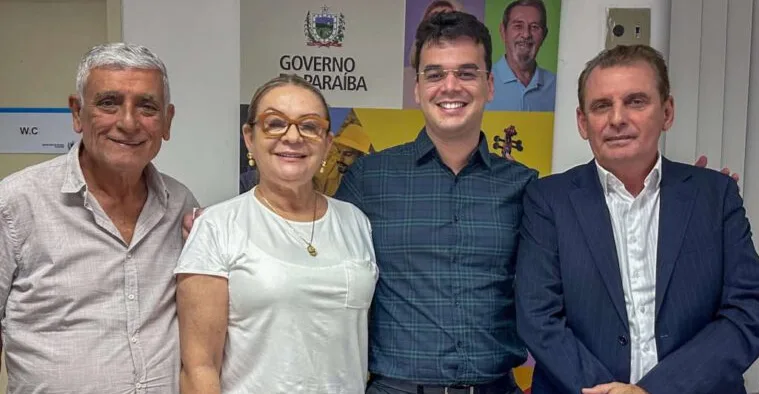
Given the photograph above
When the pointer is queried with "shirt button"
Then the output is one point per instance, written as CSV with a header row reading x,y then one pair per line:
x,y
456,218
622,340
131,296
129,255
138,385
134,339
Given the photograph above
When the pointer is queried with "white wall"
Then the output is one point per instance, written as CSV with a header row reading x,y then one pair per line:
x,y
714,52
199,40
708,77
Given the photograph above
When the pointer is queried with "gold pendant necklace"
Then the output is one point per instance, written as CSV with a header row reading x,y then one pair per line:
x,y
310,247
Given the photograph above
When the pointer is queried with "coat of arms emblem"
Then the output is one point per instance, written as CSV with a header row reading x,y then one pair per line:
x,y
324,28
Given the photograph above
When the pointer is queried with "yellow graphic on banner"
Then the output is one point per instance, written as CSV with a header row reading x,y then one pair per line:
x,y
533,129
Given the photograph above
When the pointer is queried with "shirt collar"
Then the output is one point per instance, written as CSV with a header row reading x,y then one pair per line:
x,y
507,74
426,149
610,181
75,183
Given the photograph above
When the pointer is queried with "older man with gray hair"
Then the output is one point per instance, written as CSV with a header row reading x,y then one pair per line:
x,y
89,240
520,84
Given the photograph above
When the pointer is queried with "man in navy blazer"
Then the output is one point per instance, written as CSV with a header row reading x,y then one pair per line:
x,y
635,274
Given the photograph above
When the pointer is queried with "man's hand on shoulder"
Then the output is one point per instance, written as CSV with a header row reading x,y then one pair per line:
x,y
701,162
188,220
614,388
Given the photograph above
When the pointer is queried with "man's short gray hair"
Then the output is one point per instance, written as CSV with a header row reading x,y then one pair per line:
x,y
120,56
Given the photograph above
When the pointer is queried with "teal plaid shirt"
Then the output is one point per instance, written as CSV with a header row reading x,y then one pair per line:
x,y
443,311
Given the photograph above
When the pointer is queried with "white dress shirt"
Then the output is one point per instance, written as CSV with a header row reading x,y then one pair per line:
x,y
635,221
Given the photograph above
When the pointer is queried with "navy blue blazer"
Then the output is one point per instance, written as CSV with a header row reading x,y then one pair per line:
x,y
570,303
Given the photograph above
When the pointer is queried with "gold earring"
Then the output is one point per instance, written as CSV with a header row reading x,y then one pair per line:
x,y
251,160
324,163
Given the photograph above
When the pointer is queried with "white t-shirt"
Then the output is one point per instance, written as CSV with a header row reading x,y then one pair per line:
x,y
297,323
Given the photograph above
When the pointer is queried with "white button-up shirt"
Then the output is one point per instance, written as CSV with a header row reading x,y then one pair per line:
x,y
635,221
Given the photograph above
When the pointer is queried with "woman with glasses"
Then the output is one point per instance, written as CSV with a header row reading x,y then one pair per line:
x,y
274,285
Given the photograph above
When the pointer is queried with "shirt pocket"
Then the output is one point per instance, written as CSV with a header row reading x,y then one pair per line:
x,y
361,277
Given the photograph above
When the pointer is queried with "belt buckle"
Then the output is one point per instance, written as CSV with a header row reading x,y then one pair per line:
x,y
471,390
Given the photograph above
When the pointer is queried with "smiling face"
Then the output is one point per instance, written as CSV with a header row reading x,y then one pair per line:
x,y
523,35
453,105
623,115
123,119
288,159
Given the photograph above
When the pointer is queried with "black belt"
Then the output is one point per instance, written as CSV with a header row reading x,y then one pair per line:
x,y
500,386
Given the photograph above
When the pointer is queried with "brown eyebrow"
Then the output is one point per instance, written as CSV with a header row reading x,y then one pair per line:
x,y
114,94
107,94
272,109
149,97
432,67
437,66
469,65
637,95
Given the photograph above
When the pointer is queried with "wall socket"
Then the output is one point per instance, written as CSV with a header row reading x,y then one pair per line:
x,y
628,26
